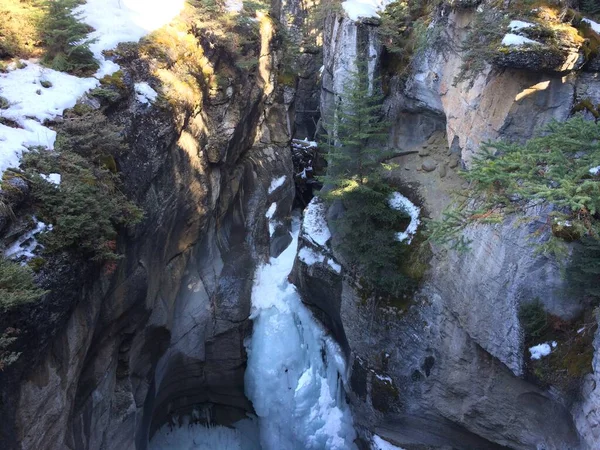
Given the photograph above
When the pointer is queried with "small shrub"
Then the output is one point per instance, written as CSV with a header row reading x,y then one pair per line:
x,y
181,65
534,318
16,285
583,273
88,208
572,357
481,44
107,95
7,339
85,211
114,80
46,84
88,133
4,103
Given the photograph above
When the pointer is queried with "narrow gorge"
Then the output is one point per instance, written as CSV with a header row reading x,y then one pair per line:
x,y
286,225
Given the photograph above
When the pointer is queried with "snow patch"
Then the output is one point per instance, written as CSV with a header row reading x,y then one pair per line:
x,y
144,93
310,257
53,178
400,203
595,170
31,104
378,443
385,378
595,25
514,40
116,21
356,9
314,224
276,184
269,215
335,266
516,25
304,143
541,350
234,6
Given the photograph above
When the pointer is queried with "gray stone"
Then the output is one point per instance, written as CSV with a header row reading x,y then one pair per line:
x,y
442,170
429,165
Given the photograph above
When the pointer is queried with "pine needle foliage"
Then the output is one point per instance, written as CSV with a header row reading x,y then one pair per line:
x,y
367,234
403,25
16,285
534,318
65,38
583,274
85,211
552,169
87,132
356,131
88,208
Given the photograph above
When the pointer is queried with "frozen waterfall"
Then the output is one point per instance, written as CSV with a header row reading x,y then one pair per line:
x,y
295,370
294,377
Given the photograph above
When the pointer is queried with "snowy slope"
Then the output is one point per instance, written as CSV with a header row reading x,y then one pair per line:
x,y
30,104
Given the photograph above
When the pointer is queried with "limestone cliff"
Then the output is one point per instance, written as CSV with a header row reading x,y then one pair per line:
x,y
448,369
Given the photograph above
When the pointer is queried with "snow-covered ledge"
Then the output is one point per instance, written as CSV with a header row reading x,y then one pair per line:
x,y
316,234
36,93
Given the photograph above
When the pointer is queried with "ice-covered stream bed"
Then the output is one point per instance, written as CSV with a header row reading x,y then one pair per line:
x,y
294,377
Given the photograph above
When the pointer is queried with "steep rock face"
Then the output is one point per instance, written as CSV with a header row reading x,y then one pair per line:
x,y
302,69
165,333
587,413
498,103
316,272
344,43
447,370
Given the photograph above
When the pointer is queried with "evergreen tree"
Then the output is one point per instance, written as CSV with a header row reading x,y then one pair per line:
x,y
550,169
355,132
65,39
368,227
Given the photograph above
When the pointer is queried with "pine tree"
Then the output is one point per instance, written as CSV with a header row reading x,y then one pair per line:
x,y
355,132
16,284
368,227
65,39
552,169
